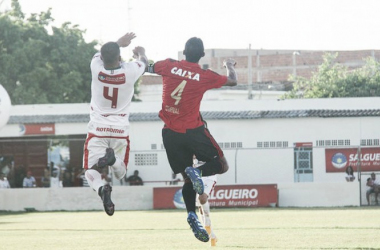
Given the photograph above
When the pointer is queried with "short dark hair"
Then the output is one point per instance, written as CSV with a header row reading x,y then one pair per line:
x,y
110,52
194,49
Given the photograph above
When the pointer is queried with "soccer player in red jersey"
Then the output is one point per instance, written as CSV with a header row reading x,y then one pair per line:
x,y
185,133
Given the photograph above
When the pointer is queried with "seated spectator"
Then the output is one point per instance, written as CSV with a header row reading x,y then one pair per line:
x,y
29,181
350,174
67,178
19,174
135,180
46,178
3,181
373,186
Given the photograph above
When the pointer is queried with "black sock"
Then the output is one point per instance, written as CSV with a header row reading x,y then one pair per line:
x,y
211,168
112,162
189,195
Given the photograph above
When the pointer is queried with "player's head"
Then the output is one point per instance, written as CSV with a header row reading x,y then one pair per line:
x,y
110,53
194,50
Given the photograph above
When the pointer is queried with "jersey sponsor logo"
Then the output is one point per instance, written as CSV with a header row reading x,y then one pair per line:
x,y
172,110
122,115
185,73
111,79
138,64
111,130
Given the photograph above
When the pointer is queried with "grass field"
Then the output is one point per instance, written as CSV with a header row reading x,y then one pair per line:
x,y
269,228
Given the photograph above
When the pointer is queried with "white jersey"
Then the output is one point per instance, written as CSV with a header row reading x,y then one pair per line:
x,y
112,91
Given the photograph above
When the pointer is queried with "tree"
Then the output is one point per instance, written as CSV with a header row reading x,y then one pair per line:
x,y
137,86
335,80
38,67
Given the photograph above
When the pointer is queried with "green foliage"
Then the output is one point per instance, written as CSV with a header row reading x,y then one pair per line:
x,y
41,63
137,86
335,80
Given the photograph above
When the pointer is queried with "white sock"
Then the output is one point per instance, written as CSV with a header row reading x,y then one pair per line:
x,y
207,219
94,179
119,169
206,214
202,214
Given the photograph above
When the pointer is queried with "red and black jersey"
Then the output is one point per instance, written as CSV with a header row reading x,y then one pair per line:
x,y
184,84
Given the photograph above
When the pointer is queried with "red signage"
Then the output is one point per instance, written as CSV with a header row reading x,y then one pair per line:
x,y
37,129
303,144
222,196
337,159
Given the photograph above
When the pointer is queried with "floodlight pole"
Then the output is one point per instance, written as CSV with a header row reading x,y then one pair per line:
x,y
250,96
359,169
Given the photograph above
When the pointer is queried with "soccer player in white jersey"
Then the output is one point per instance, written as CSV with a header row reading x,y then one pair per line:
x,y
202,203
112,89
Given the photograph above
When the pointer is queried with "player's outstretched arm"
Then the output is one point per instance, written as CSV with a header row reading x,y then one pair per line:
x,y
139,54
125,40
229,64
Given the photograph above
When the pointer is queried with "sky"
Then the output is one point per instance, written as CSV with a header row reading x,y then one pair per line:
x,y
163,26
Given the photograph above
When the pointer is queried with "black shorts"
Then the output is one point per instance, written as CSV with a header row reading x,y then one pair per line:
x,y
180,147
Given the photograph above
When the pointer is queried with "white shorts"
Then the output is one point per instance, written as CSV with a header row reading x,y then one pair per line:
x,y
209,183
100,137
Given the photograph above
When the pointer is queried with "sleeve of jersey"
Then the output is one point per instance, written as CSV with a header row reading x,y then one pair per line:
x,y
140,67
215,80
159,67
137,67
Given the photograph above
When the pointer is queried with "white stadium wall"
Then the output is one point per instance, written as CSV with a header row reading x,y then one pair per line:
x,y
249,164
141,197
74,199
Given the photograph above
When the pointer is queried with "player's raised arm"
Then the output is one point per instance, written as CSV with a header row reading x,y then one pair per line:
x,y
139,54
125,40
229,64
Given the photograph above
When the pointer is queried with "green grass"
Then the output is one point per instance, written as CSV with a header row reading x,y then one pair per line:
x,y
270,228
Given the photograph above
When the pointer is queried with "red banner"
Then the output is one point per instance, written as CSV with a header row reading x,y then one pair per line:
x,y
37,129
337,159
303,144
222,196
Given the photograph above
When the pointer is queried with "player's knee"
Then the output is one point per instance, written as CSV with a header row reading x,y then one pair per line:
x,y
203,198
225,166
95,167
